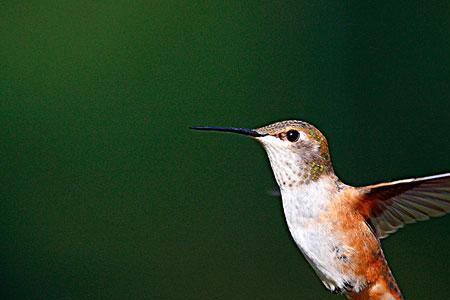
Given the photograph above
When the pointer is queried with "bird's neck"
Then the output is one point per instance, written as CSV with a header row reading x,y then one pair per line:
x,y
308,200
292,174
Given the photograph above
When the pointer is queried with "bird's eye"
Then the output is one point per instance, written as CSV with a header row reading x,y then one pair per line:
x,y
292,135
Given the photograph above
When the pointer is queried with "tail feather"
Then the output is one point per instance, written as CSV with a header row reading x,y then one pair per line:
x,y
384,288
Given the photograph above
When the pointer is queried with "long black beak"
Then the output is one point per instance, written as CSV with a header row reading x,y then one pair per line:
x,y
245,131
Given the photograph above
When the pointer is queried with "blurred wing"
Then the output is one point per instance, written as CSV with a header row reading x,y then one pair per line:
x,y
389,206
275,192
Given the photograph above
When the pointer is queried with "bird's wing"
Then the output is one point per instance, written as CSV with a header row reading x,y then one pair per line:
x,y
389,206
275,192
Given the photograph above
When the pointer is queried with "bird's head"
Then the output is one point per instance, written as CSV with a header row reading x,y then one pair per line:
x,y
298,152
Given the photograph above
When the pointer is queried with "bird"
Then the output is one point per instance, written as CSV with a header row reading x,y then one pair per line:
x,y
338,227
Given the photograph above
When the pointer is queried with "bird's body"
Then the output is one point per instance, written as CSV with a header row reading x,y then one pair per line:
x,y
336,226
335,239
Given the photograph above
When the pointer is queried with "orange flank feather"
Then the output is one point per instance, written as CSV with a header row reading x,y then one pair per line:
x,y
362,249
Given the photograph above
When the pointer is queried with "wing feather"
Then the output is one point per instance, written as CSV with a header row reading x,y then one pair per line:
x,y
389,206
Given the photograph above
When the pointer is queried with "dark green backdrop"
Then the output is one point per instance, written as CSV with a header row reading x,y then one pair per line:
x,y
106,194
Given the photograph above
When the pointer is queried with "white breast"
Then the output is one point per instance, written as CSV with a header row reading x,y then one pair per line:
x,y
302,207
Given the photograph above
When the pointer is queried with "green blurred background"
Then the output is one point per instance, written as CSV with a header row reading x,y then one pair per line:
x,y
105,193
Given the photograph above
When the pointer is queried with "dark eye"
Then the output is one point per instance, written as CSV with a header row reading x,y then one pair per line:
x,y
292,135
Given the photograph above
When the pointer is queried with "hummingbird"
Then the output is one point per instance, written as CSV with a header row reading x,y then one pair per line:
x,y
336,226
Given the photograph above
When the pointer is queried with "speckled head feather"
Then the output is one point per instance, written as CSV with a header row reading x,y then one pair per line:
x,y
296,162
279,128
